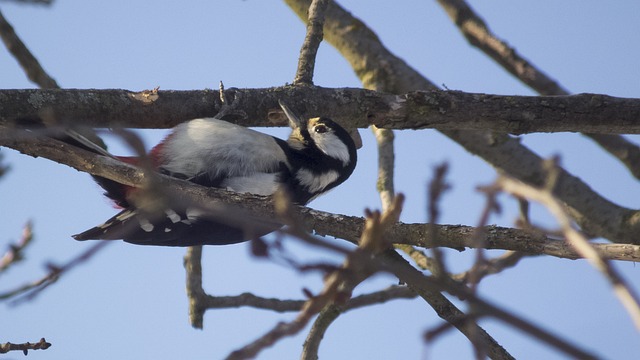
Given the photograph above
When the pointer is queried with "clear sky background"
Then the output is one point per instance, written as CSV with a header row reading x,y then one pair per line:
x,y
129,301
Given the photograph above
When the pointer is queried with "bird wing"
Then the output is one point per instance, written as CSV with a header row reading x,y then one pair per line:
x,y
219,149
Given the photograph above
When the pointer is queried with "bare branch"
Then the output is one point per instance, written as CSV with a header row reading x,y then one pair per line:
x,y
325,318
443,110
25,347
423,284
338,284
279,305
28,292
589,209
307,60
14,254
625,293
27,61
195,292
322,223
476,31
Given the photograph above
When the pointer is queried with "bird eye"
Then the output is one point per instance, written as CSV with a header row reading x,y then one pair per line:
x,y
320,129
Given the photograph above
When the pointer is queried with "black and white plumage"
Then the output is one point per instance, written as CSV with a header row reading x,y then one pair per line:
x,y
318,156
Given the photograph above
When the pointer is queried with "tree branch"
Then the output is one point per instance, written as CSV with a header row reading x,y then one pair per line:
x,y
544,196
307,60
25,347
443,110
27,61
322,223
338,284
591,211
423,284
15,252
476,31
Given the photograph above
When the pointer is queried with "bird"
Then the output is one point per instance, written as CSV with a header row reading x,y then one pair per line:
x,y
318,156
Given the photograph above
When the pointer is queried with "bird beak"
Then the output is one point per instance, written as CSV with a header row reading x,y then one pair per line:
x,y
294,121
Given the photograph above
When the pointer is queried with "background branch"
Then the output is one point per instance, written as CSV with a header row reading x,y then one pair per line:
x,y
29,291
15,252
25,58
476,31
625,293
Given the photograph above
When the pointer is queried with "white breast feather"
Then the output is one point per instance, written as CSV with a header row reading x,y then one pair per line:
x,y
219,147
315,183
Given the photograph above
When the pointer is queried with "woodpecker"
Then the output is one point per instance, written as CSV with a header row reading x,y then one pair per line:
x,y
318,156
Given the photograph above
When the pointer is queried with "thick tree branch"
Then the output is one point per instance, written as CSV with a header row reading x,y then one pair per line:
x,y
323,223
443,110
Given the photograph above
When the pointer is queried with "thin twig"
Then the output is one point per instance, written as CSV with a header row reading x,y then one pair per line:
x,y
279,305
15,253
24,347
476,31
312,40
424,284
475,274
28,292
622,289
437,187
338,284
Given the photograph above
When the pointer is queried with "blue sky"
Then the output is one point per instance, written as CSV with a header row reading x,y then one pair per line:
x,y
129,301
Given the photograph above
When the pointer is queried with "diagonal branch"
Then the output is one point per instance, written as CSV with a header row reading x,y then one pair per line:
x,y
338,284
25,58
575,239
423,284
476,31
